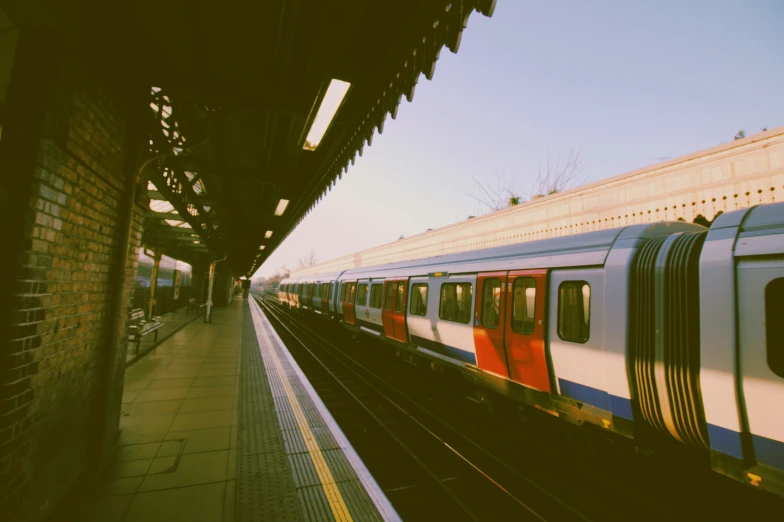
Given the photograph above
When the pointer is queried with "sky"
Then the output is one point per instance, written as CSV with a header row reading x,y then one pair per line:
x,y
627,83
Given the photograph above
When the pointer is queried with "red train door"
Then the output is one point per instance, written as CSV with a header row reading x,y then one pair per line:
x,y
489,323
525,328
348,303
390,288
399,311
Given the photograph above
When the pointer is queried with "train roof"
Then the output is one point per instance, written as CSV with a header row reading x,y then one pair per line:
x,y
587,249
757,230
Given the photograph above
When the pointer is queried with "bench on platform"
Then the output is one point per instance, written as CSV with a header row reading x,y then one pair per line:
x,y
138,327
193,305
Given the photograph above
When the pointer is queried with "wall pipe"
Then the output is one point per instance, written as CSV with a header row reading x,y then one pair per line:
x,y
208,313
153,281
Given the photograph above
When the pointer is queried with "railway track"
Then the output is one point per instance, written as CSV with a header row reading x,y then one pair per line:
x,y
592,481
418,464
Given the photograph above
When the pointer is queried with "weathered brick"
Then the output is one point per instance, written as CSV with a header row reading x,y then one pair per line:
x,y
54,372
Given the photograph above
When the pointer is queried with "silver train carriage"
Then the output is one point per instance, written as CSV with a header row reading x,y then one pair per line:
x,y
668,328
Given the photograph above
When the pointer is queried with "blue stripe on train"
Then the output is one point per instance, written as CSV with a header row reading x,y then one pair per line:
x,y
725,441
619,406
769,451
443,349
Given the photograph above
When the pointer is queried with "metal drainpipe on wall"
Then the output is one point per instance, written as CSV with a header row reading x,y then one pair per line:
x,y
208,313
156,255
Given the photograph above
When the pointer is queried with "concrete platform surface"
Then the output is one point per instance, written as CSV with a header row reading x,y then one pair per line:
x,y
220,425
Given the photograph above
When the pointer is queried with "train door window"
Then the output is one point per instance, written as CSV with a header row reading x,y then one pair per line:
x,y
362,294
352,291
390,297
774,326
523,305
401,294
343,290
455,302
418,299
376,293
331,290
574,311
491,302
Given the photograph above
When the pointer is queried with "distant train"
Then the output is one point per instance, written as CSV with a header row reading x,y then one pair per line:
x,y
664,329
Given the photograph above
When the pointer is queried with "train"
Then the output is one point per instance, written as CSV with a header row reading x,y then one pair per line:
x,y
173,286
666,330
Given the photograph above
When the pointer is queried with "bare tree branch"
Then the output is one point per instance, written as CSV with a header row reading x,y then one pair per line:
x,y
308,260
504,194
555,175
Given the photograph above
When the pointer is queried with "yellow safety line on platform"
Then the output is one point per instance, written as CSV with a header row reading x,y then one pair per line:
x,y
331,491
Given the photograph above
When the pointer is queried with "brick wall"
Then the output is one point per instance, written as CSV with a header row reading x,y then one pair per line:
x,y
55,365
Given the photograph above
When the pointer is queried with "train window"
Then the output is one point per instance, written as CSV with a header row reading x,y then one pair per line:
x,y
491,302
376,291
362,294
574,311
331,290
774,326
401,296
343,290
523,305
418,299
455,302
390,297
352,290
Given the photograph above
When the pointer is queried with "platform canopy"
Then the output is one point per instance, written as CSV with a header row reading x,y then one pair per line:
x,y
253,108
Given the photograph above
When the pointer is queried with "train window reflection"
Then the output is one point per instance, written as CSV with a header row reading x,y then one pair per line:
x,y
524,305
362,294
491,302
390,296
774,327
401,296
455,302
574,311
419,299
376,292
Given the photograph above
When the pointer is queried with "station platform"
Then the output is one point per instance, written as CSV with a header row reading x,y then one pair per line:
x,y
219,424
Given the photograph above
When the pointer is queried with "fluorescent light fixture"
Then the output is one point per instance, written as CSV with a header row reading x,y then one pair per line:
x,y
196,242
262,247
268,234
282,204
326,112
